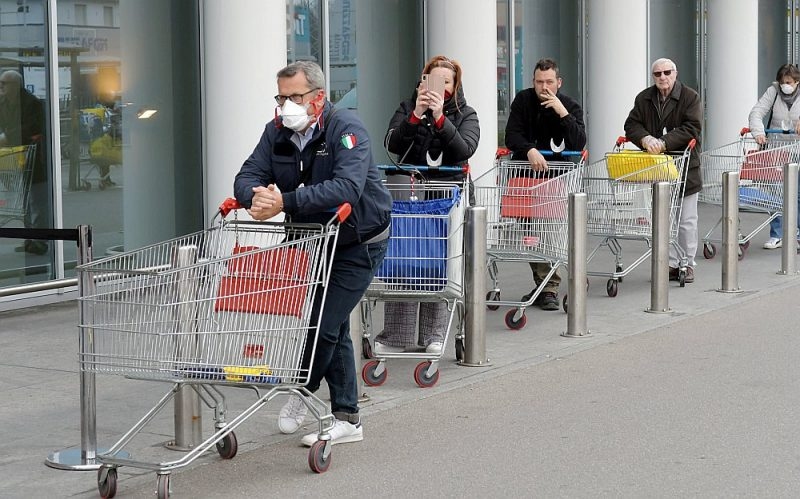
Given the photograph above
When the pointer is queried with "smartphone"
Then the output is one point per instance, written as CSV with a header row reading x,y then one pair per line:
x,y
433,82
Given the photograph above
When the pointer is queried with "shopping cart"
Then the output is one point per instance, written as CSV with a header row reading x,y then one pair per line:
x,y
424,264
619,197
760,179
16,174
228,306
526,219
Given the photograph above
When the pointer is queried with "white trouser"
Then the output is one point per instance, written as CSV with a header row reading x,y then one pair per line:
x,y
687,233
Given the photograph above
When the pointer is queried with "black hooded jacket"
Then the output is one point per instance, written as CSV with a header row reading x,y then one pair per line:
x,y
457,140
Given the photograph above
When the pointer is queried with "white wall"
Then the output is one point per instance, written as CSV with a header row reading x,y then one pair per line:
x,y
244,46
618,69
732,50
456,31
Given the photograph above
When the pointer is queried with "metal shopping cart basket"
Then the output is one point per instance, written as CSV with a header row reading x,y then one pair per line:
x,y
424,264
760,179
527,219
16,175
619,197
227,306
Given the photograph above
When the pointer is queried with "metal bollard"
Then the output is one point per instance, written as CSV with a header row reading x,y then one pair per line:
x,y
659,258
83,459
730,233
789,249
576,309
188,418
474,288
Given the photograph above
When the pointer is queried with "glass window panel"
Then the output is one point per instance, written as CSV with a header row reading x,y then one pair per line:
x,y
304,30
25,172
774,35
677,39
134,177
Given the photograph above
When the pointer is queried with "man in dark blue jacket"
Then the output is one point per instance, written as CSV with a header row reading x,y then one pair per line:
x,y
310,160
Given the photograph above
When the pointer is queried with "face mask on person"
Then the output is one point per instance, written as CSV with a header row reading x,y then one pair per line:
x,y
295,116
788,88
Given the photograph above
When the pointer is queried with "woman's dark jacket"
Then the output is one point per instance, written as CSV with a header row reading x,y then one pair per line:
x,y
457,140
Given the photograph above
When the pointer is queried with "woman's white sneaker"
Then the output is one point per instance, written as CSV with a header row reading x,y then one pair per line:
x,y
341,433
773,243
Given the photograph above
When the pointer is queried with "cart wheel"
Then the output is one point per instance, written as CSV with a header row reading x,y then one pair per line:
x,y
741,252
746,245
421,375
490,297
515,324
682,278
709,251
162,486
564,304
366,349
107,482
459,349
86,185
316,457
618,270
369,376
612,287
228,446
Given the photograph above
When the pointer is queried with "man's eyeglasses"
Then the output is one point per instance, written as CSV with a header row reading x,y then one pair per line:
x,y
666,72
296,98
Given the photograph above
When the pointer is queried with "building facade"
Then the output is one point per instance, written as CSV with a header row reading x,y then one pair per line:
x,y
152,105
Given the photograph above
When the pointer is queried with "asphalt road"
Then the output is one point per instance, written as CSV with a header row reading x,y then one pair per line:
x,y
705,407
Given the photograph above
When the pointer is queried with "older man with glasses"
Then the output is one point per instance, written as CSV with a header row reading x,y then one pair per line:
x,y
666,117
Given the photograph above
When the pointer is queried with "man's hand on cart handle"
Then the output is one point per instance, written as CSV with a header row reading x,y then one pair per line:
x,y
537,161
653,145
267,202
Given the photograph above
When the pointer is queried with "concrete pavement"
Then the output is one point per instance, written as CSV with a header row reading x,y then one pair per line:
x,y
39,382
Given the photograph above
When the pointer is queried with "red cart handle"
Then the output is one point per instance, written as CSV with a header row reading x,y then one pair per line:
x,y
343,212
228,206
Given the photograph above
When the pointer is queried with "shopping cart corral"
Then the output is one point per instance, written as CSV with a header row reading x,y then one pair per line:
x,y
760,169
424,264
228,306
619,198
527,220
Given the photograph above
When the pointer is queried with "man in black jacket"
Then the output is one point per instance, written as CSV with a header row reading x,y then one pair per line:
x,y
666,117
544,118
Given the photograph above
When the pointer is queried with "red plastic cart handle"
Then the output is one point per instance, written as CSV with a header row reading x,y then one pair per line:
x,y
228,206
343,212
621,140
744,131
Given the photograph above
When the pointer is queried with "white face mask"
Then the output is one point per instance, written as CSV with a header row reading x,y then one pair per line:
x,y
787,88
295,116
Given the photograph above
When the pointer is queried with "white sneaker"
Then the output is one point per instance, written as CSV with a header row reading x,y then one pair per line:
x,y
292,415
773,243
382,348
341,433
435,348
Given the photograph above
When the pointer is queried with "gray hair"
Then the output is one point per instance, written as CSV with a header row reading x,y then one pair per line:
x,y
314,75
12,76
663,60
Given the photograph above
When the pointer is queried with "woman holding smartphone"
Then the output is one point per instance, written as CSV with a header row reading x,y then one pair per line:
x,y
435,127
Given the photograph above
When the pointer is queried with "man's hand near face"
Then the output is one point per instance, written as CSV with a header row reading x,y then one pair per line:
x,y
550,101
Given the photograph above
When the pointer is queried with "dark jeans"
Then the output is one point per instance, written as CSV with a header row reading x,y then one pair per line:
x,y
352,272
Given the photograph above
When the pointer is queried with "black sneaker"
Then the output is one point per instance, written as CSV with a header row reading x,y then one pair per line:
x,y
528,296
547,301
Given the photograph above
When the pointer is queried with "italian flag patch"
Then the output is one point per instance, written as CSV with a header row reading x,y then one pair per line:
x,y
348,140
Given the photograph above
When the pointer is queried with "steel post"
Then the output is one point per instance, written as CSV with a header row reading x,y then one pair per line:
x,y
789,249
475,287
659,258
576,256
730,233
